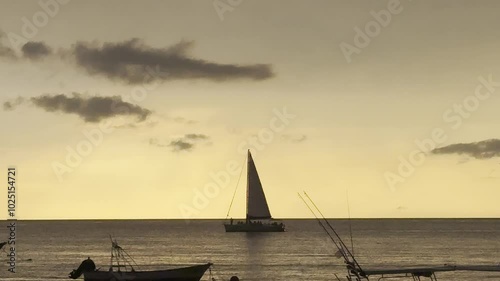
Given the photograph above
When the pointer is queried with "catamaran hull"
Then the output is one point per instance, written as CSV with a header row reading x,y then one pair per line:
x,y
192,273
254,228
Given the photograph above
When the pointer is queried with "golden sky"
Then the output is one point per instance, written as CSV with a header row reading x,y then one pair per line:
x,y
332,97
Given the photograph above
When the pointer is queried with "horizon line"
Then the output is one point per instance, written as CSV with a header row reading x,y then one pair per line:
x,y
194,219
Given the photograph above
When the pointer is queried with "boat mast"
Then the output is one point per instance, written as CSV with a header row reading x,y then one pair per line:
x,y
117,254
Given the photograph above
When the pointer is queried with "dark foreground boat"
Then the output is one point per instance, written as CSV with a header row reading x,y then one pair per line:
x,y
257,208
122,269
191,273
356,273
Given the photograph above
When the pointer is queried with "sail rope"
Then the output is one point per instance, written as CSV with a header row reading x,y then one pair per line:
x,y
118,253
236,189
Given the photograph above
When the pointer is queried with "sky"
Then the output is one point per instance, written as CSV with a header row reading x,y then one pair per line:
x,y
145,109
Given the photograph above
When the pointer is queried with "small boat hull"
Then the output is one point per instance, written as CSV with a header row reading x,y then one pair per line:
x,y
192,273
254,227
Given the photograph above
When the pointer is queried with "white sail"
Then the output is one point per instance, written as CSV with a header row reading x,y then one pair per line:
x,y
257,207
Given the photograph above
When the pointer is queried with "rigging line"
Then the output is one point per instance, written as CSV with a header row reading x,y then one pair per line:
x,y
324,228
131,259
336,234
350,225
236,189
119,252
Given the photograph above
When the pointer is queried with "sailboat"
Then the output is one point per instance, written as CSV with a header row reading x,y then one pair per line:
x,y
257,208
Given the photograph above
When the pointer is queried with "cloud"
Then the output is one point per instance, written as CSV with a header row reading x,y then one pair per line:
x,y
293,138
184,143
91,109
180,145
5,51
134,62
146,124
183,120
196,137
12,104
31,50
35,50
480,150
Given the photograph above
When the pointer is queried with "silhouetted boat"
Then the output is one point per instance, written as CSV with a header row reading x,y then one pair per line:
x,y
257,208
356,273
122,269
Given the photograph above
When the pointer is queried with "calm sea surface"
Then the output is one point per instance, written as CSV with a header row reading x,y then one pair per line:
x,y
302,253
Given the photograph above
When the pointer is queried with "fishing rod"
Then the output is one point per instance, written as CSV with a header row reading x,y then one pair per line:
x,y
350,225
339,247
336,234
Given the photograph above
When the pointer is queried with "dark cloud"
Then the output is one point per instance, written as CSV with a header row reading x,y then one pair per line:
x,y
31,50
35,50
134,62
5,51
196,137
480,150
90,108
12,104
294,138
180,145
184,143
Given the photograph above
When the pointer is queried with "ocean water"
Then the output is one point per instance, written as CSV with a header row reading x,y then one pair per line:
x,y
301,253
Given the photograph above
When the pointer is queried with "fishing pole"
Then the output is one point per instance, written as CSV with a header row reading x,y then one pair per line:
x,y
324,228
350,225
335,232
